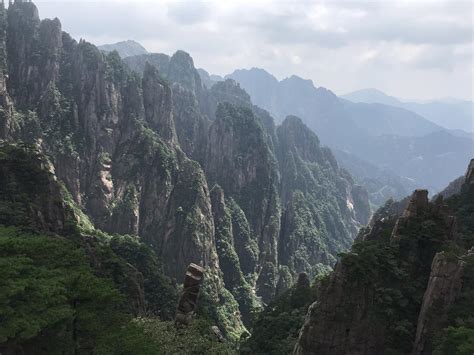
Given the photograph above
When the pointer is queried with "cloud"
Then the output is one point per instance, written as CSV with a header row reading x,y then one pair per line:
x,y
189,12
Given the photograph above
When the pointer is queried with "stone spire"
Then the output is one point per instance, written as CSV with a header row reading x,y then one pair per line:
x,y
418,203
188,300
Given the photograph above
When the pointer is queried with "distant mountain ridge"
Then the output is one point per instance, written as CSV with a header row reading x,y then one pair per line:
x,y
391,138
125,48
283,98
450,113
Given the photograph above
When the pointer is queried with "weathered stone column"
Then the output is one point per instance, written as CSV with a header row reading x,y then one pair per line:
x,y
189,295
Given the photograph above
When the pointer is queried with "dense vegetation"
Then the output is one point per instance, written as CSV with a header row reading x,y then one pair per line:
x,y
52,298
275,329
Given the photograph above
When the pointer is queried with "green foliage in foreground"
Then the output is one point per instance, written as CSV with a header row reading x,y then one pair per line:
x,y
51,298
456,340
197,338
53,301
276,329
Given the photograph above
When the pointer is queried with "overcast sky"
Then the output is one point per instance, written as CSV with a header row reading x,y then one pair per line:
x,y
414,49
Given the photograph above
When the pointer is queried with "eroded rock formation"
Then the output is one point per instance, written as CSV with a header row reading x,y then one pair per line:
x,y
189,296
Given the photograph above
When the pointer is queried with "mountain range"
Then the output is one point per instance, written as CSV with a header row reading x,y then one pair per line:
x,y
451,114
374,133
148,207
411,148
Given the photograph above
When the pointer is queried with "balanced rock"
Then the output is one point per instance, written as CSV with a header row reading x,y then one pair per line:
x,y
189,296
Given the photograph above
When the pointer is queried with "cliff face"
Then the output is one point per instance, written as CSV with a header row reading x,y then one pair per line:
x,y
443,289
111,136
404,269
239,160
31,195
313,188
7,127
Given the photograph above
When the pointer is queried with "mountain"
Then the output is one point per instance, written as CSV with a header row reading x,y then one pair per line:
x,y
294,93
208,79
450,114
125,48
402,270
140,148
372,96
416,150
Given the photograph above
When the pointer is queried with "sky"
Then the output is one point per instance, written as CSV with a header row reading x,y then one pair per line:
x,y
411,49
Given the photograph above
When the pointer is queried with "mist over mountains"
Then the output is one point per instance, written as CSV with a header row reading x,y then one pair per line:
x,y
451,114
392,138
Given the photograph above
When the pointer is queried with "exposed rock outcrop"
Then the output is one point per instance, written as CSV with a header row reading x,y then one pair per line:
x,y
189,296
469,176
7,124
30,193
444,286
239,147
228,237
158,104
406,285
312,186
240,161
33,200
33,48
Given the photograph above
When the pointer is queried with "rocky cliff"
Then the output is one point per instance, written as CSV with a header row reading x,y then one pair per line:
x,y
313,188
404,269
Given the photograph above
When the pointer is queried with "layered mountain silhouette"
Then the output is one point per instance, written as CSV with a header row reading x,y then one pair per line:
x,y
410,147
124,48
449,113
